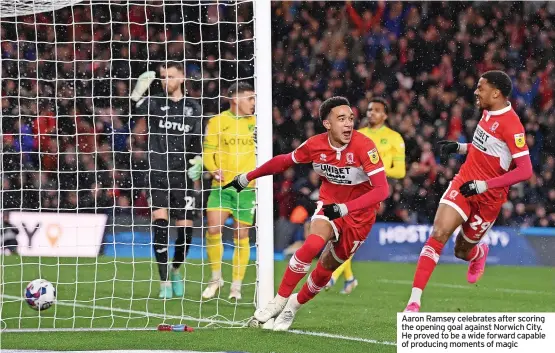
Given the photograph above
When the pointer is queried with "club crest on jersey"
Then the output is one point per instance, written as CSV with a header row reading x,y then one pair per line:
x,y
494,126
374,156
519,140
322,157
350,158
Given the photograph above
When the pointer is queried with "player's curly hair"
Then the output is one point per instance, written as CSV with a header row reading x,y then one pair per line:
x,y
330,103
499,80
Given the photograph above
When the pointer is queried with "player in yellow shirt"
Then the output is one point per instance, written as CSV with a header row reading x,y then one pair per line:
x,y
391,148
229,150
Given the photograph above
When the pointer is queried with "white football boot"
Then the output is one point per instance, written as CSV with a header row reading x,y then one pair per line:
x,y
285,319
271,310
212,288
235,291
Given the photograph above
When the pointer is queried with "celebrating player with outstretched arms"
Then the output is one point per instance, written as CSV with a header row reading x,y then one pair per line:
x,y
497,158
353,185
391,148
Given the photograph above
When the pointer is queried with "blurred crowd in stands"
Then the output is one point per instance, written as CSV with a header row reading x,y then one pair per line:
x,y
66,80
425,60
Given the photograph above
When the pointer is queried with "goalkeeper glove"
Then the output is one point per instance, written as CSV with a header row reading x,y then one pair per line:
x,y
144,82
195,171
335,210
239,182
473,187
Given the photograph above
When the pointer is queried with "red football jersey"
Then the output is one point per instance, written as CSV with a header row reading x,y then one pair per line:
x,y
498,139
344,171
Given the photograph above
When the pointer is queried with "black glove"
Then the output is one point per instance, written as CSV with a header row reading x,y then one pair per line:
x,y
448,147
473,187
334,210
239,183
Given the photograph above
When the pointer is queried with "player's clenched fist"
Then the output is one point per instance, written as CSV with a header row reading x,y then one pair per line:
x,y
239,182
473,187
335,210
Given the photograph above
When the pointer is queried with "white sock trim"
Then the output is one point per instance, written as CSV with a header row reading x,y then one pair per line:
x,y
415,295
479,253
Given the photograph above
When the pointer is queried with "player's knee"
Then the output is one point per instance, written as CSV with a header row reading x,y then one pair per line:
x,y
214,230
329,263
241,234
329,266
160,213
440,234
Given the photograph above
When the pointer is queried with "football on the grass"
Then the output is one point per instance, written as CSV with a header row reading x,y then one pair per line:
x,y
40,294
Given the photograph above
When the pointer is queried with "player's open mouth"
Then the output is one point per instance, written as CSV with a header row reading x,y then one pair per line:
x,y
478,100
347,133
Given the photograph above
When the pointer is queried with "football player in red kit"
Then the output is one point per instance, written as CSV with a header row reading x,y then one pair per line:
x,y
353,185
496,159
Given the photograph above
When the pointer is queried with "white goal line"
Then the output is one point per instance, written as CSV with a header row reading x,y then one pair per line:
x,y
163,316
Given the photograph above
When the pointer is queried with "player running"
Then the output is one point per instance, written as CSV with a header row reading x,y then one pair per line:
x,y
229,149
391,148
497,158
353,185
174,137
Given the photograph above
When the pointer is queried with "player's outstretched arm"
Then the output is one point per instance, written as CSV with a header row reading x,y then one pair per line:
x,y
448,147
523,171
275,165
372,197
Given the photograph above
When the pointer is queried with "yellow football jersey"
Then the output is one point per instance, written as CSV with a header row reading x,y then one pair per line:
x,y
229,145
391,148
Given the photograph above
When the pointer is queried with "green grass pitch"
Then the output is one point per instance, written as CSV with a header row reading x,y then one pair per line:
x,y
361,322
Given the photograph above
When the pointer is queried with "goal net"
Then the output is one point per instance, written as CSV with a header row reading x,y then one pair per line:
x,y
75,169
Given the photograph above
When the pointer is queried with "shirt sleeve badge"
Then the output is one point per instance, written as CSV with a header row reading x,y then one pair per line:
x,y
374,156
519,140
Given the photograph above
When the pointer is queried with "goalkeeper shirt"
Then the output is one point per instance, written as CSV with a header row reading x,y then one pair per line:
x,y
174,131
229,145
391,148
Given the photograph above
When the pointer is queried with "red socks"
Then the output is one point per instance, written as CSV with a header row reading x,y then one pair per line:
x,y
427,262
317,280
476,253
300,264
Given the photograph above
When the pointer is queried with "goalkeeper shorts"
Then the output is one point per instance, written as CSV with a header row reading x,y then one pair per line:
x,y
171,190
241,205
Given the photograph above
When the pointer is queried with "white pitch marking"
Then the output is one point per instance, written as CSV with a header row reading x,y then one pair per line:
x,y
144,313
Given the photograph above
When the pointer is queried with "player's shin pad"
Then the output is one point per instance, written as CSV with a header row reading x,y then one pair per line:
x,y
241,256
182,245
215,251
160,245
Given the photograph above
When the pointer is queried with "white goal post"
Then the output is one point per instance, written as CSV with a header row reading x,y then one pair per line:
x,y
71,195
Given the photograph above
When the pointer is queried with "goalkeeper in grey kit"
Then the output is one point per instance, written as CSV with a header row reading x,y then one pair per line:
x,y
174,124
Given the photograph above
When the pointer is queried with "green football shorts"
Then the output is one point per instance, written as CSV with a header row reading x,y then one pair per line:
x,y
241,205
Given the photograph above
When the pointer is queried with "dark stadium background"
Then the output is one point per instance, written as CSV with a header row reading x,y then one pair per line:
x,y
424,58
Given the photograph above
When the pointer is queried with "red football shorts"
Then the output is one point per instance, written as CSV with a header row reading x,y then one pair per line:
x,y
349,235
478,216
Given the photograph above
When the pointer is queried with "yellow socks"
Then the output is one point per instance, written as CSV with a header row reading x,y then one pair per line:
x,y
344,268
348,269
215,252
241,256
